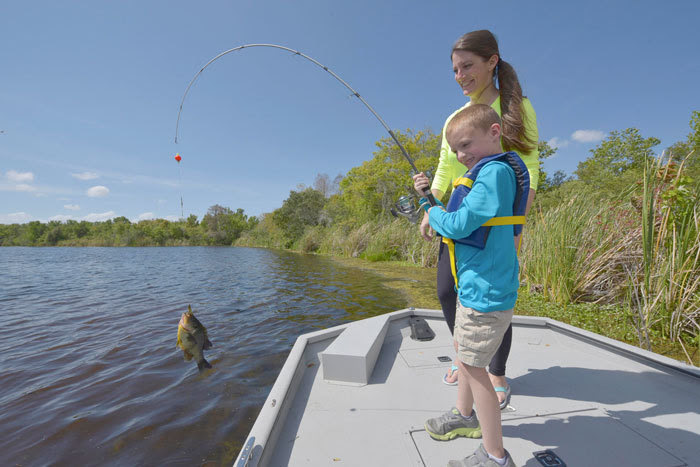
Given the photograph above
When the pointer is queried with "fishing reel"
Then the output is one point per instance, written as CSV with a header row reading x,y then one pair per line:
x,y
407,205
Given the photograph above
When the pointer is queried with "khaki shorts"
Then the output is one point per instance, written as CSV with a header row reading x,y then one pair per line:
x,y
478,335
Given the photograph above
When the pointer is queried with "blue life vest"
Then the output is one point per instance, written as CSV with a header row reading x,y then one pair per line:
x,y
463,185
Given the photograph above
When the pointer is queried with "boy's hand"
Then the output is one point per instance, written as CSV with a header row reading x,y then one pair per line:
x,y
420,183
426,231
425,204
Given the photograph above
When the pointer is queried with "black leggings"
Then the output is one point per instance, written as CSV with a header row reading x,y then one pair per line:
x,y
448,301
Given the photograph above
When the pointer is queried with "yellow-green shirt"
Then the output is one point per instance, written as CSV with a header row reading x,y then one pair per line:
x,y
449,168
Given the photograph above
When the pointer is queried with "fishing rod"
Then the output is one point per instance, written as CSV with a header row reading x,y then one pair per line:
x,y
403,204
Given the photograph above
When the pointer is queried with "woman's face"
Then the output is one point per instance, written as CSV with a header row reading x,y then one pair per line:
x,y
473,73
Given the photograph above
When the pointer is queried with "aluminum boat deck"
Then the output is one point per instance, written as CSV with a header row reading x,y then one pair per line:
x,y
592,400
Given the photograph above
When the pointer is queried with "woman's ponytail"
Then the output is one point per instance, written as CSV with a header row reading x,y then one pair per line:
x,y
513,134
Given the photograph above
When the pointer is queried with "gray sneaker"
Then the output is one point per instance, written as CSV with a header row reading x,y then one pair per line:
x,y
480,458
451,424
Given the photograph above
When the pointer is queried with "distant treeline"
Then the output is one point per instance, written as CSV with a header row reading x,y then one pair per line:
x,y
220,226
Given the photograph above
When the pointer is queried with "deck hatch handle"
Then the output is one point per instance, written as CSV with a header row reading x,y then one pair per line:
x,y
548,458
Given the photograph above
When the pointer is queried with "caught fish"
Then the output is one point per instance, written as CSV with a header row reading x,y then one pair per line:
x,y
192,339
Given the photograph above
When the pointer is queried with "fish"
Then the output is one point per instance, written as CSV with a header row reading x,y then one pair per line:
x,y
192,338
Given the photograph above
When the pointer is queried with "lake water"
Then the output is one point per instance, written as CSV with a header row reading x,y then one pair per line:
x,y
90,371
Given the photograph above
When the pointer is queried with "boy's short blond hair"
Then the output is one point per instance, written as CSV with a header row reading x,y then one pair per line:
x,y
479,116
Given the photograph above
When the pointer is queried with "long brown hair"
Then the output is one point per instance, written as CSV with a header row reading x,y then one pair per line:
x,y
513,136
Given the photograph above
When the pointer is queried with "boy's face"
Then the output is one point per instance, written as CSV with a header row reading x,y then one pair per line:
x,y
472,144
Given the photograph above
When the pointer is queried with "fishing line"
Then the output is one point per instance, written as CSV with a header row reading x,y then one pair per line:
x,y
427,192
179,171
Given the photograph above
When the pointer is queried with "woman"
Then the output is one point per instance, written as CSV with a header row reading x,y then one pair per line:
x,y
486,79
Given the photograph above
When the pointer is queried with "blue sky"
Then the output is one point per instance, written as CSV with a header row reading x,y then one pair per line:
x,y
89,92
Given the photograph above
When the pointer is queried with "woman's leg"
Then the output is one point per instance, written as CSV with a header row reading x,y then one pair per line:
x,y
448,300
497,367
446,287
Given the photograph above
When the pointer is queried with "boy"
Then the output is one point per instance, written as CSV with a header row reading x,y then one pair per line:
x,y
485,266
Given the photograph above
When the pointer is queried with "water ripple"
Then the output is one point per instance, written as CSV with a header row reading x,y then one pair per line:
x,y
91,375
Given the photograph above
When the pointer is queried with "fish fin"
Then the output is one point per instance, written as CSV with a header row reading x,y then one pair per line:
x,y
188,356
203,364
207,345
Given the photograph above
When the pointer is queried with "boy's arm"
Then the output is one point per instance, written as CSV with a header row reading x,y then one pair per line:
x,y
493,188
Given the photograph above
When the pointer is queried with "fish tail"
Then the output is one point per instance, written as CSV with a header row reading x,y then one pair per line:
x,y
202,364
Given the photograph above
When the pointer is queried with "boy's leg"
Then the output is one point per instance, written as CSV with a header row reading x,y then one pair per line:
x,y
465,398
487,407
459,421
477,337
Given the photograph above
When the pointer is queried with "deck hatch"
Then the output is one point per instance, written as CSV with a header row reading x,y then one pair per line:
x,y
590,435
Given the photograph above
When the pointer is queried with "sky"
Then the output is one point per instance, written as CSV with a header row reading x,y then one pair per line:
x,y
90,92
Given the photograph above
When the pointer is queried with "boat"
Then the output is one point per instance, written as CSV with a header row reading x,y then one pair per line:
x,y
358,394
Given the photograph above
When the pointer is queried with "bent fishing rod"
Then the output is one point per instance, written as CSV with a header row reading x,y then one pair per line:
x,y
427,192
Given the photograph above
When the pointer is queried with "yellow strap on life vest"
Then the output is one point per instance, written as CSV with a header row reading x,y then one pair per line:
x,y
468,182
453,264
503,220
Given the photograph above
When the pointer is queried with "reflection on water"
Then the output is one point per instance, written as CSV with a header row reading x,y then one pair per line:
x,y
90,372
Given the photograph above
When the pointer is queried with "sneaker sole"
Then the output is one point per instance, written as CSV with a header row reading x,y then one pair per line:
x,y
466,432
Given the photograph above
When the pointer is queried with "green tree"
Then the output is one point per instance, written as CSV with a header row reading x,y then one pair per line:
x,y
619,153
689,150
370,190
223,226
301,210
192,221
546,151
55,233
34,232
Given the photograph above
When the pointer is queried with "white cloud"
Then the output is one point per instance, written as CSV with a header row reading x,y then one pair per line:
x,y
172,218
24,187
19,177
558,142
60,218
15,218
98,191
72,207
100,217
587,136
85,176
146,216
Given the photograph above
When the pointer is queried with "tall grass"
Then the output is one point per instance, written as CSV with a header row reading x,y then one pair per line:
x,y
665,288
380,241
558,245
641,249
